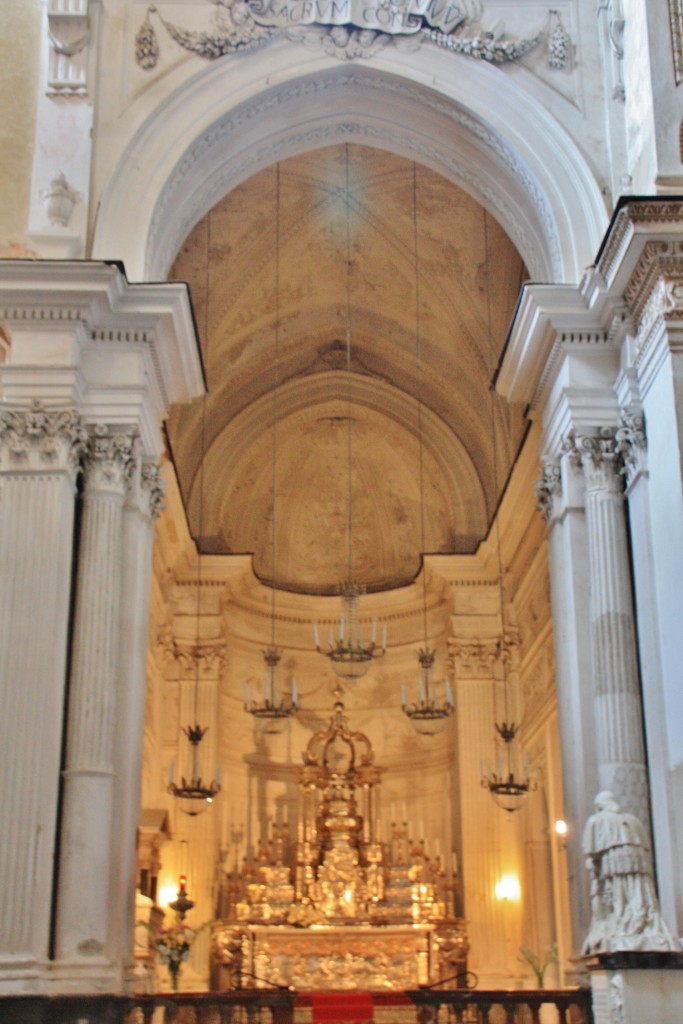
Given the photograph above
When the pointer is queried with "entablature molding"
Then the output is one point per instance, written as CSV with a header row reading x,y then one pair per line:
x,y
133,347
636,283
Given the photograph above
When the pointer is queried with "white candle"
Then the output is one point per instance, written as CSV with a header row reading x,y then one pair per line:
x,y
374,631
449,693
316,635
384,638
295,692
421,688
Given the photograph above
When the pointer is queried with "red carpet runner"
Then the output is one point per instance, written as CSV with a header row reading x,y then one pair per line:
x,y
341,1007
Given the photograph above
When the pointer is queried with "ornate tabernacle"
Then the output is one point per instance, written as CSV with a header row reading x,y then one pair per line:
x,y
338,908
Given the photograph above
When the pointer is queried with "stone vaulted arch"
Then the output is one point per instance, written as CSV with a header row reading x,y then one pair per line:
x,y
238,116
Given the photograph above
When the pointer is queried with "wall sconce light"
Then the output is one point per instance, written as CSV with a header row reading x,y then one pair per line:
x,y
508,888
562,831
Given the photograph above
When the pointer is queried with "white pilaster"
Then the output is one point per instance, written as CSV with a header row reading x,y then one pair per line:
x,y
39,451
563,510
491,849
84,912
618,709
142,504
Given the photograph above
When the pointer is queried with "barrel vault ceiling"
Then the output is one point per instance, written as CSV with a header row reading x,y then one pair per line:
x,y
280,270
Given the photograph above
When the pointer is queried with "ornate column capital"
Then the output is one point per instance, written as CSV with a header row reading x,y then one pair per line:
x,y
548,486
110,458
152,485
473,658
599,457
40,439
189,659
631,444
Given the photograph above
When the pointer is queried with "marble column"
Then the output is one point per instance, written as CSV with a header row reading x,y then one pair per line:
x,y
84,948
142,505
561,497
39,454
617,702
490,841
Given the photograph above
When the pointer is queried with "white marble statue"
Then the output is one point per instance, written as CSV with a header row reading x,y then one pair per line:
x,y
625,910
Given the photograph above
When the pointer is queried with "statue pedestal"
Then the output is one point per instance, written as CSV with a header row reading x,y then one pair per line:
x,y
629,988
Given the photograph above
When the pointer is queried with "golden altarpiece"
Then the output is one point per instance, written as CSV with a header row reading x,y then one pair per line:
x,y
337,907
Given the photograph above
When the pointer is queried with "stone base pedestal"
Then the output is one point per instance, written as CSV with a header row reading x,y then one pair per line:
x,y
629,988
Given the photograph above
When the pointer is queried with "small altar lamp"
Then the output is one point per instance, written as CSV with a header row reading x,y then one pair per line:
x,y
350,655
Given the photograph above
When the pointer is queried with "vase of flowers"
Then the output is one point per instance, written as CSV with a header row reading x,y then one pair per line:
x,y
173,947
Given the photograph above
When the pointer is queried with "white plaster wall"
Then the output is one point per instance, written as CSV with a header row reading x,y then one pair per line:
x,y
20,22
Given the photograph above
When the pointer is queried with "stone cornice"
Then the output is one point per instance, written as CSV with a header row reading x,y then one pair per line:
x,y
96,307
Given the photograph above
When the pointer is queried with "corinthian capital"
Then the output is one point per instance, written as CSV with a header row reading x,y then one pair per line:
x,y
598,455
473,658
631,443
548,485
40,438
205,659
110,457
152,487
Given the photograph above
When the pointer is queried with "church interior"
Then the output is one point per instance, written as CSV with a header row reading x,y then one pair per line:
x,y
341,520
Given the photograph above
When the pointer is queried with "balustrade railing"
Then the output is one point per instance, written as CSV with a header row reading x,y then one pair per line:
x,y
246,1006
473,1006
276,1006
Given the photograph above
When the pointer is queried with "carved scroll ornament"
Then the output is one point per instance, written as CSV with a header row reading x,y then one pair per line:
x,y
345,29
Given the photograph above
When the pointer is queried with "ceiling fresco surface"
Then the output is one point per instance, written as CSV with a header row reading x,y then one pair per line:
x,y
330,350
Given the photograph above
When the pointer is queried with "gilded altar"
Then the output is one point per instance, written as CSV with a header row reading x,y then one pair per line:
x,y
338,908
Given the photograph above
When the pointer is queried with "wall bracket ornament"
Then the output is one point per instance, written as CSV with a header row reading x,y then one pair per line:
x,y
68,30
344,29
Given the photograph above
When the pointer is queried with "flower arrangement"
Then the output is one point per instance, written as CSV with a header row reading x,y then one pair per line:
x,y
173,945
539,963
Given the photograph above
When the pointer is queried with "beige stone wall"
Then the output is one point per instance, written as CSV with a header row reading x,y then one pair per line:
x,y
19,75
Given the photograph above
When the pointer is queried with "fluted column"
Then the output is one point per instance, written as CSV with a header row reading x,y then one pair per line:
x,y
619,721
561,501
142,505
39,453
489,841
83,934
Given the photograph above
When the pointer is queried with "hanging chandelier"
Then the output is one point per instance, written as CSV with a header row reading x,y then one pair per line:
x,y
510,782
349,652
271,713
428,714
194,795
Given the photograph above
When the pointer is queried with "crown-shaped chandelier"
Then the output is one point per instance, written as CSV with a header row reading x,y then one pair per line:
x,y
194,795
428,713
271,713
510,783
350,653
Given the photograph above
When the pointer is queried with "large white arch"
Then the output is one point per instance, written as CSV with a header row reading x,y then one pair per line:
x,y
190,144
